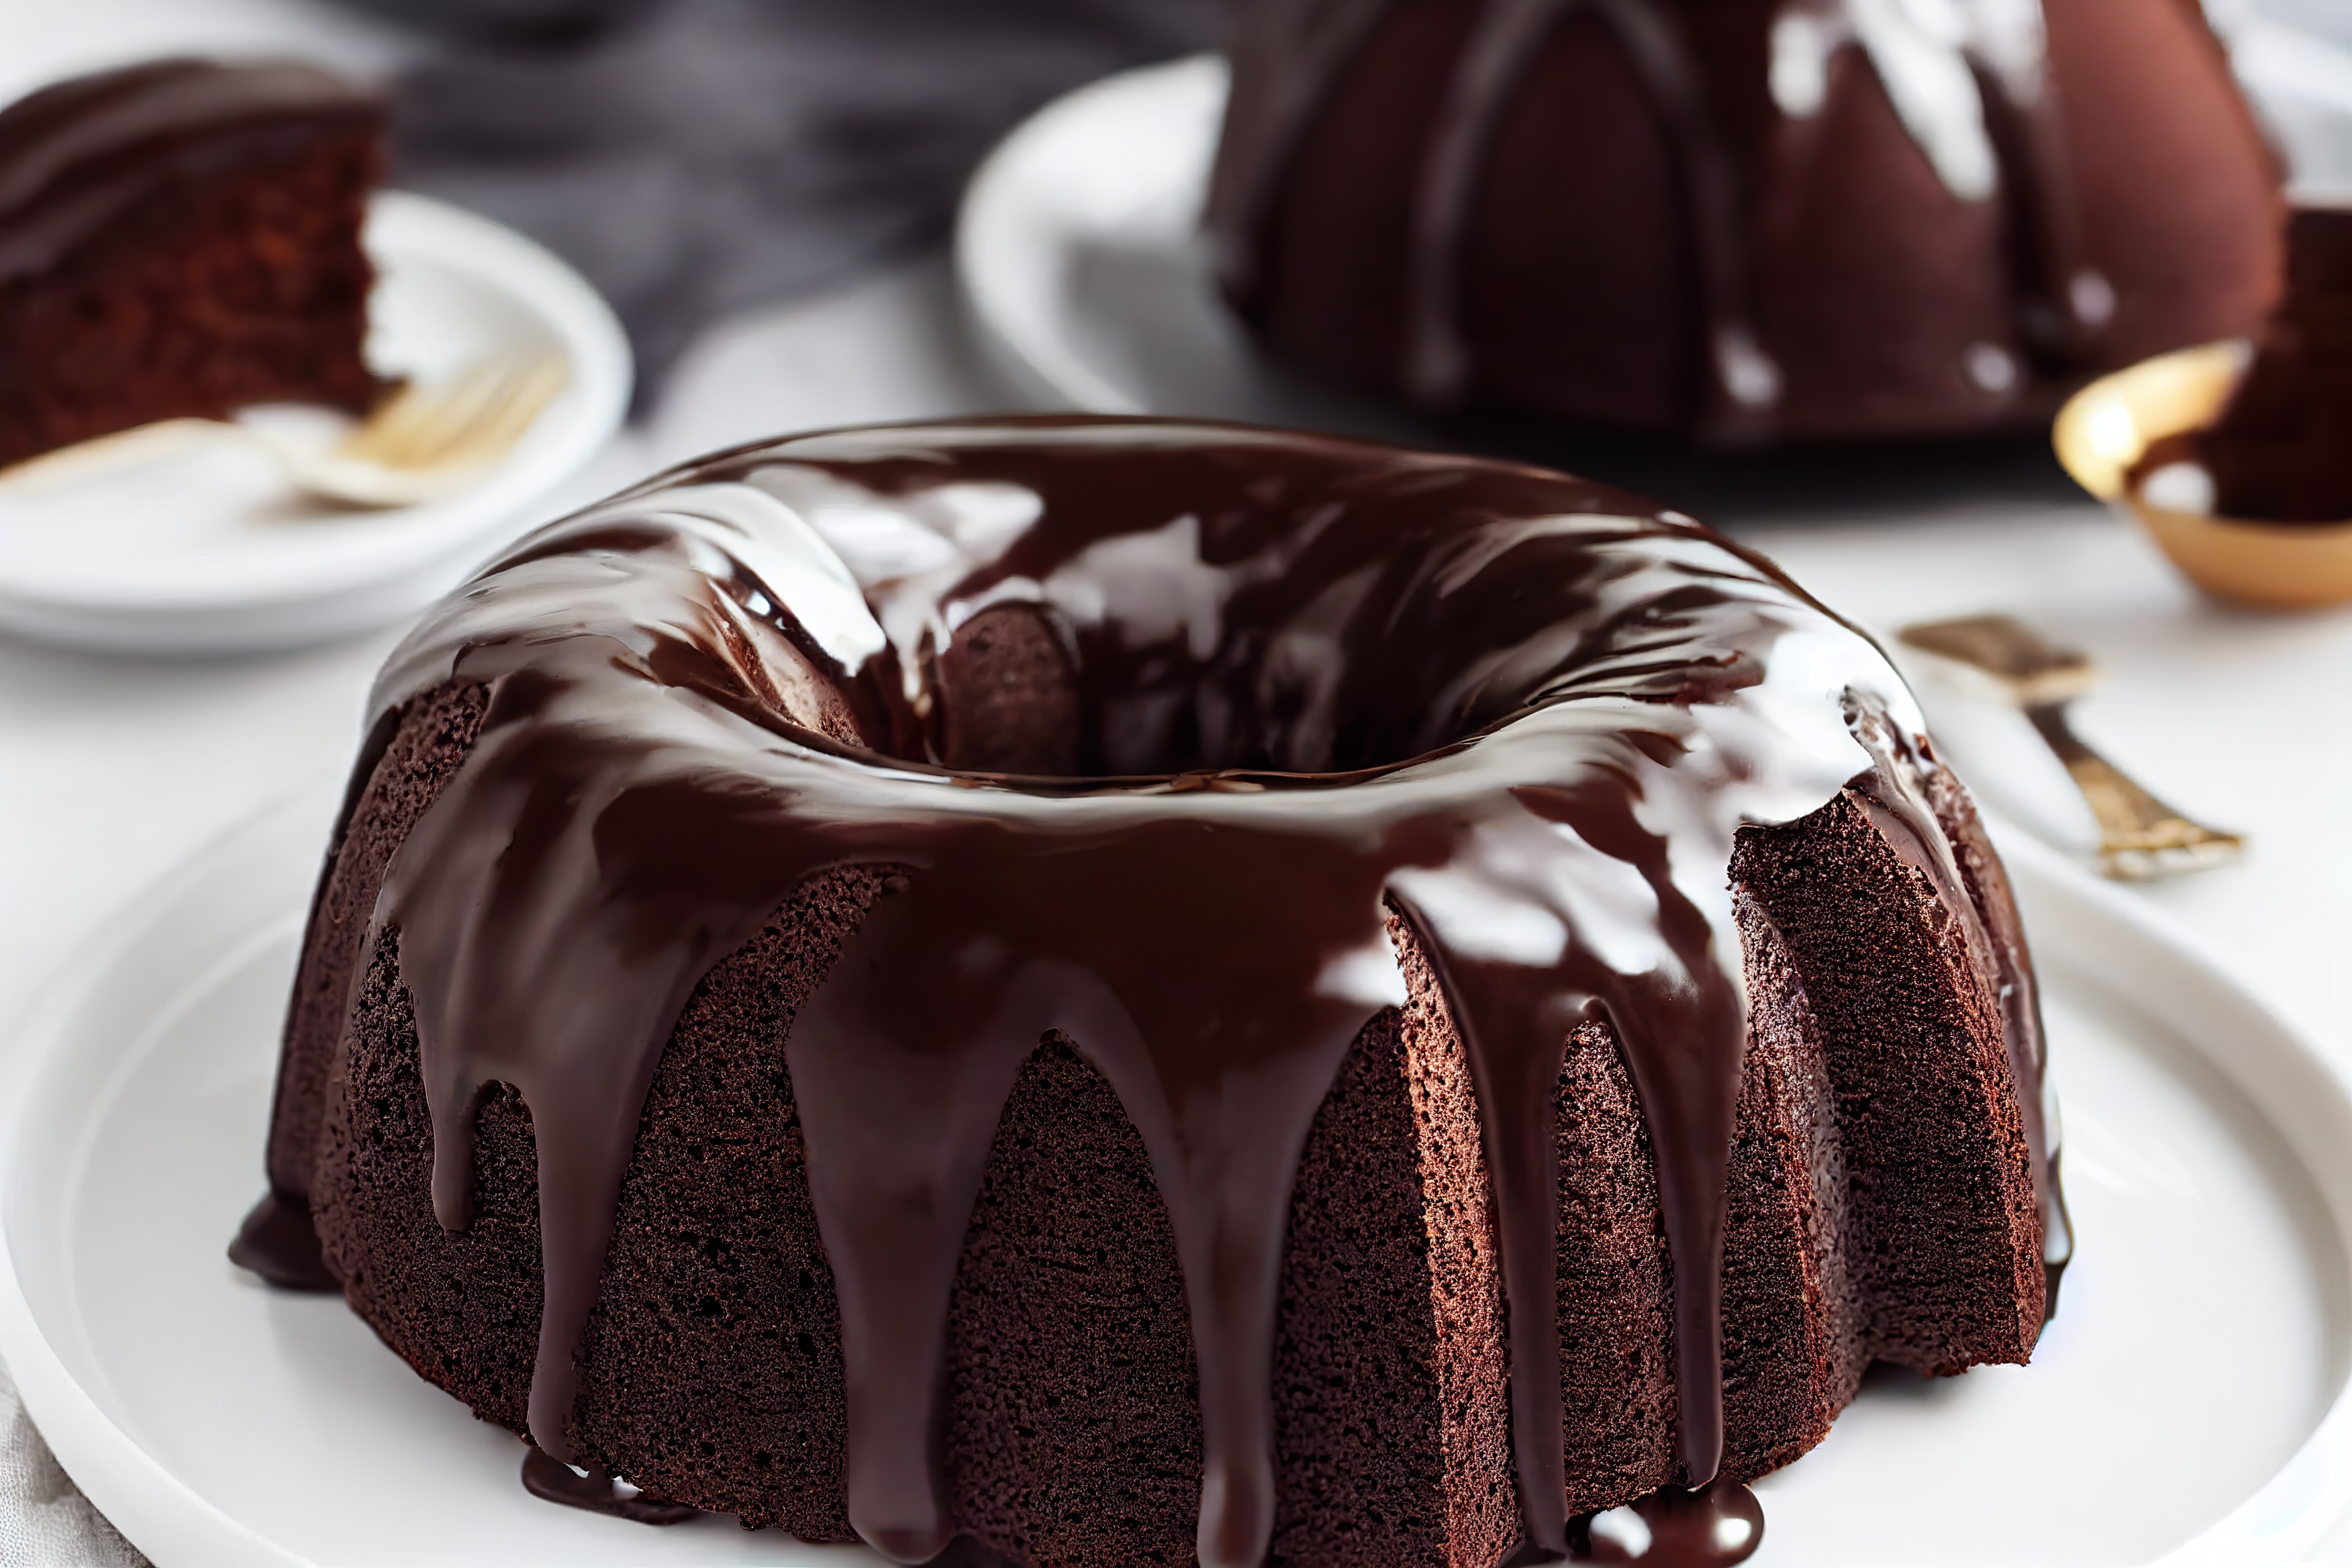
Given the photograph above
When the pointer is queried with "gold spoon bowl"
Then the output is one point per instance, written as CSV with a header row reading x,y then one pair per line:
x,y
2105,428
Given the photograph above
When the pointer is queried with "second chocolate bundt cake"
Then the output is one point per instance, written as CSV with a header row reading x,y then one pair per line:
x,y
1137,991
1748,219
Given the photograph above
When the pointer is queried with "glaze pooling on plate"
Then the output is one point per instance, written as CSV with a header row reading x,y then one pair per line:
x,y
1316,680
597,1492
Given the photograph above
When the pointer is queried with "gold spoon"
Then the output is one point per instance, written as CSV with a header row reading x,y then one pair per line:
x,y
424,442
2140,836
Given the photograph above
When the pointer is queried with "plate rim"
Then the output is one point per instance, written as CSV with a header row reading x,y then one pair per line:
x,y
2298,1089
375,587
986,223
139,1495
2290,1080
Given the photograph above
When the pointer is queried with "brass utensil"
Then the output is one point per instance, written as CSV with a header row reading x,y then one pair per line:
x,y
425,442
2140,836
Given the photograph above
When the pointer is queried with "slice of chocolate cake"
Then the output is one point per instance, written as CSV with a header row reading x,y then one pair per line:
x,y
182,238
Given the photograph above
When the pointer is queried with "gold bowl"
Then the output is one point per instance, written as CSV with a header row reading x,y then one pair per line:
x,y
2104,427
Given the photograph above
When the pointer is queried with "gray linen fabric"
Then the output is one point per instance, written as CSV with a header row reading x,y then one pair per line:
x,y
695,157
44,1522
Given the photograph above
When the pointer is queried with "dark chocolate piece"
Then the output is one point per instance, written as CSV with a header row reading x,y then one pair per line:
x,y
2282,449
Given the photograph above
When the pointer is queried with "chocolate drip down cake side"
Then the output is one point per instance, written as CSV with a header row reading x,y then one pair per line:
x,y
1059,983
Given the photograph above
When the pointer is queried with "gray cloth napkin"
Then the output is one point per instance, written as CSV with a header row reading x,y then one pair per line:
x,y
695,157
44,1522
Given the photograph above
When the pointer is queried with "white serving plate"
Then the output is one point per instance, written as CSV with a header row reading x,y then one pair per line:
x,y
1087,280
1079,255
2188,1396
208,550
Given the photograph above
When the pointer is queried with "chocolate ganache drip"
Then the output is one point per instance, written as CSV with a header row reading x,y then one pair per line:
x,y
1316,681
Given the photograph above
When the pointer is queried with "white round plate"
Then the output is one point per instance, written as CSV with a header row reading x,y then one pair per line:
x,y
1086,279
1082,269
2186,1397
208,550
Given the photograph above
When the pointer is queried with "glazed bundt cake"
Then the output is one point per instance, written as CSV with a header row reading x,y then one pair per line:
x,y
1741,219
180,239
1059,983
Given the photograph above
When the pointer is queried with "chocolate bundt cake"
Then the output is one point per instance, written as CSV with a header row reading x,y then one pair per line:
x,y
1060,982
182,240
1741,219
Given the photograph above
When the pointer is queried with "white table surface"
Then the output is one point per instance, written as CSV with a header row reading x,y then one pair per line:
x,y
112,769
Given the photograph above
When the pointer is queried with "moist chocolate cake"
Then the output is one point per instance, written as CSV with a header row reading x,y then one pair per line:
x,y
182,238
2282,449
1824,218
1058,984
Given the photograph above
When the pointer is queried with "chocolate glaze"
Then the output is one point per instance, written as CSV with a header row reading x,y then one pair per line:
x,y
1504,41
1315,679
276,1241
1980,105
74,154
1718,1525
558,1483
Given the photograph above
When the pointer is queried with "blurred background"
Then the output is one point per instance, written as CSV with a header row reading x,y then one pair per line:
x,y
709,160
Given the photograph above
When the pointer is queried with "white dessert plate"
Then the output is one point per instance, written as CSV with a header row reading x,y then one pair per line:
x,y
2187,1398
1087,280
207,549
1080,260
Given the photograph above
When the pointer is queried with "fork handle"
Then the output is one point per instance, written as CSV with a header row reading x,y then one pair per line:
x,y
2133,824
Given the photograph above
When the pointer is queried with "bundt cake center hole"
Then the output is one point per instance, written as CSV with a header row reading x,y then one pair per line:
x,y
1017,692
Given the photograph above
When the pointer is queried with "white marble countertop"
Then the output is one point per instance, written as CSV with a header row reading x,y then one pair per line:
x,y
111,770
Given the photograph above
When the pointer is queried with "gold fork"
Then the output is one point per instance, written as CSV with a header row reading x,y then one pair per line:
x,y
2140,836
425,442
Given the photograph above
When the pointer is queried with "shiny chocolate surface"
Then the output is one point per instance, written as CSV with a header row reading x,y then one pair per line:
x,y
1313,681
